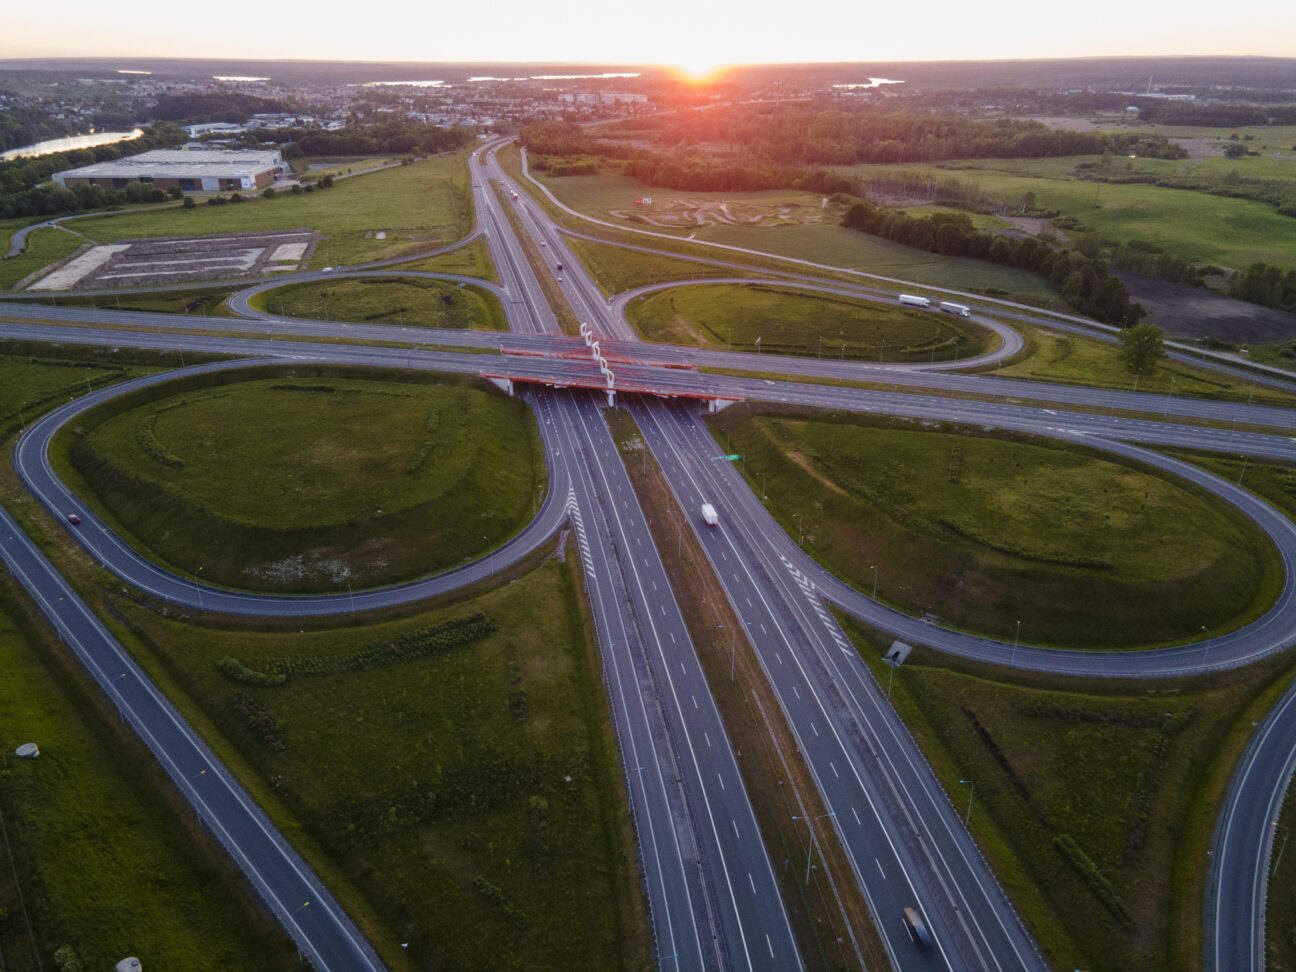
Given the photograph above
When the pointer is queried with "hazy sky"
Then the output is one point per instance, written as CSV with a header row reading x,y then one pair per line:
x,y
685,32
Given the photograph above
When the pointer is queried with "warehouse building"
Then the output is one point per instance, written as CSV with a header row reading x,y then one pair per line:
x,y
192,170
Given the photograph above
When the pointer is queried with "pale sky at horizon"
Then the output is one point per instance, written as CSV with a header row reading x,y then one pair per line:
x,y
671,32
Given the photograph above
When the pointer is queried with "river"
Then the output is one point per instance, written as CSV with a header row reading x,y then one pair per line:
x,y
70,142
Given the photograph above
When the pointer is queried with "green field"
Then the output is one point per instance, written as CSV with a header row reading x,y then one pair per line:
x,y
355,482
1074,359
419,205
98,855
799,322
617,269
31,384
470,792
1193,226
984,532
827,242
471,260
204,301
44,246
1095,801
404,301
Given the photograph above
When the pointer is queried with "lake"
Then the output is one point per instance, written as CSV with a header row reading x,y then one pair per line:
x,y
70,142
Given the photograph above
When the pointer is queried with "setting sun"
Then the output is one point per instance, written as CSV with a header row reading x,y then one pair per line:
x,y
698,70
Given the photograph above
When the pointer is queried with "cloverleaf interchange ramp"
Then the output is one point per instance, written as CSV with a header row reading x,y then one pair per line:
x,y
864,745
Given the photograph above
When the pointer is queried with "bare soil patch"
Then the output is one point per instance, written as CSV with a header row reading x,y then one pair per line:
x,y
1192,312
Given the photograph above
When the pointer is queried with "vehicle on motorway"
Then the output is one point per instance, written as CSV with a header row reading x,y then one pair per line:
x,y
709,515
73,519
543,243
917,928
327,270
949,307
559,268
915,301
515,195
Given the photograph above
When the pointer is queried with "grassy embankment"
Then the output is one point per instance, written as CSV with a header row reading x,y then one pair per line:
x,y
1074,359
359,482
467,788
1095,800
987,531
617,269
44,246
471,260
203,301
405,301
419,206
798,322
100,855
35,378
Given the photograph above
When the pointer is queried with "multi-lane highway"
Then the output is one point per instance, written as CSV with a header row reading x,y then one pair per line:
x,y
714,900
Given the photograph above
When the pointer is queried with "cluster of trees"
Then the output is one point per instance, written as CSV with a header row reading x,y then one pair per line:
x,y
391,138
700,175
185,109
1152,261
1211,115
1265,285
807,136
1082,280
26,126
22,192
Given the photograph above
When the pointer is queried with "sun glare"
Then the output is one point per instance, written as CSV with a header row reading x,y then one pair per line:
x,y
698,70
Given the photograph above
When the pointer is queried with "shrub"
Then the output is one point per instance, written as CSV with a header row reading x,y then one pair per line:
x,y
231,667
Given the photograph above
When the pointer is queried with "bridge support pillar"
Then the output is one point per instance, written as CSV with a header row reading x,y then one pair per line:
x,y
611,398
503,384
719,404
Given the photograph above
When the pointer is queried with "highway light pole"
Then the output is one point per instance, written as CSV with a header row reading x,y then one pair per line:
x,y
1016,639
968,818
764,495
733,650
810,824
1286,834
874,566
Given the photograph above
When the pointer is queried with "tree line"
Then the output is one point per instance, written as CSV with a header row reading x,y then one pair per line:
x,y
1081,280
806,135
1265,285
386,138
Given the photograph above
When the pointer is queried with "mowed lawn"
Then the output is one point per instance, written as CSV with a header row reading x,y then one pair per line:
x,y
983,532
312,483
423,202
799,322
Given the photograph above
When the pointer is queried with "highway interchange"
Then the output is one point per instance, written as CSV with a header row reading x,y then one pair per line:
x,y
711,887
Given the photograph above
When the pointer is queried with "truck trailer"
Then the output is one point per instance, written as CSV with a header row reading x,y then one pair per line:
x,y
962,310
915,301
709,515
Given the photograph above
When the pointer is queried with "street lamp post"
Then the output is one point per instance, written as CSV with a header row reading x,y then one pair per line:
x,y
764,495
1286,834
733,649
875,572
1016,639
810,824
968,817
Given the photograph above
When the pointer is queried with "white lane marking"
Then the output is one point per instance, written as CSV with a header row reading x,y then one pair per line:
x,y
856,816
721,779
816,731
707,737
779,657
796,693
834,769
694,698
879,867
751,882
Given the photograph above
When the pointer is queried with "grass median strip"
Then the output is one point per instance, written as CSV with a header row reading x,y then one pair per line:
x,y
829,915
